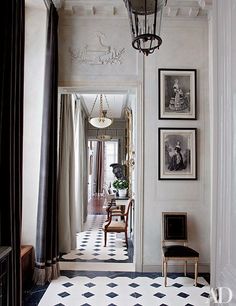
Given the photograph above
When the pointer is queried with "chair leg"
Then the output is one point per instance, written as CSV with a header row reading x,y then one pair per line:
x,y
165,273
185,268
105,238
126,239
162,267
196,273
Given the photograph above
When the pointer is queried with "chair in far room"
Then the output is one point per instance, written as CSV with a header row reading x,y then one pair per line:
x,y
174,243
115,226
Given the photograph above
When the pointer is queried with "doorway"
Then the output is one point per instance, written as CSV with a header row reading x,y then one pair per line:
x,y
112,149
101,154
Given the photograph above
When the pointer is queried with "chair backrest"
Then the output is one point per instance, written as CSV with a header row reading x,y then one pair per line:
x,y
127,209
124,214
174,227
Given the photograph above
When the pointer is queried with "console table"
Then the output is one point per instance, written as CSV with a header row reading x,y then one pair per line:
x,y
4,275
27,266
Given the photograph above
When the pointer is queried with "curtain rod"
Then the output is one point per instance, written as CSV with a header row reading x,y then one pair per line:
x,y
47,3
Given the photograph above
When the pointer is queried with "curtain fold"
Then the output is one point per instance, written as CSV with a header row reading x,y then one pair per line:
x,y
46,264
85,168
81,166
66,173
99,167
12,23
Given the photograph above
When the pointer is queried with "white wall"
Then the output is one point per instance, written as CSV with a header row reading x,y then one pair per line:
x,y
35,38
185,45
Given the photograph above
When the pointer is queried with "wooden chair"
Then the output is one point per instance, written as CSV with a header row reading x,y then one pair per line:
x,y
114,226
174,230
109,203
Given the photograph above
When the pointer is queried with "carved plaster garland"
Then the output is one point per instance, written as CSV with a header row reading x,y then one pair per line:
x,y
102,54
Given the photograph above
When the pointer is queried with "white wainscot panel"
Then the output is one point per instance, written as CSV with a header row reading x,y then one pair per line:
x,y
101,50
179,191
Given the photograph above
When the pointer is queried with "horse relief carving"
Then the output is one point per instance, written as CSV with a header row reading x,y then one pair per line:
x,y
98,54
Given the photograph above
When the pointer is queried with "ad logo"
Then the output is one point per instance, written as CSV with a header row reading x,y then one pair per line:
x,y
221,295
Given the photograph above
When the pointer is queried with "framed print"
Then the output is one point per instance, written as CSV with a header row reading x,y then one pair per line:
x,y
177,94
177,153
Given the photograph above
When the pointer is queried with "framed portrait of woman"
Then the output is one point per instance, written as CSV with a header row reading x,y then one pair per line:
x,y
177,93
177,153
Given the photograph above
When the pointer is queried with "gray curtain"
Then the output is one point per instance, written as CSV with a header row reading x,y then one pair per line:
x,y
99,167
81,166
46,262
12,34
66,175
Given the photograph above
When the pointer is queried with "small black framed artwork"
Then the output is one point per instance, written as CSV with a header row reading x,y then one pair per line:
x,y
177,153
177,94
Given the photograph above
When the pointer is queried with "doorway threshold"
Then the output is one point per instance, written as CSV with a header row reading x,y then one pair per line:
x,y
97,266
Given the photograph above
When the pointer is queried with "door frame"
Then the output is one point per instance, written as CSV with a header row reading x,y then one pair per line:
x,y
134,88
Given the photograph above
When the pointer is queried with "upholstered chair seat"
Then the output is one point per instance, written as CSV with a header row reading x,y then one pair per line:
x,y
179,251
114,226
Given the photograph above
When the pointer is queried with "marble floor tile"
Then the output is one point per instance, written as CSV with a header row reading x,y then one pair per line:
x,y
90,244
125,291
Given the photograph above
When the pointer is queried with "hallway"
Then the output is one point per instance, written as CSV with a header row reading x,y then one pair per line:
x,y
90,244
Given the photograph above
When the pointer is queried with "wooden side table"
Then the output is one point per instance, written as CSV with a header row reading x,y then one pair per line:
x,y
27,264
4,275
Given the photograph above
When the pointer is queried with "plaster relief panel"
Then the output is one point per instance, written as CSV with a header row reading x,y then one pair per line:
x,y
101,50
101,53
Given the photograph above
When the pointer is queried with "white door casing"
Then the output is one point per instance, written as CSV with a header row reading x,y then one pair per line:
x,y
223,124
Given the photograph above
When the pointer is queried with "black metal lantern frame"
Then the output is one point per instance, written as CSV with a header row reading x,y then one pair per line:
x,y
145,17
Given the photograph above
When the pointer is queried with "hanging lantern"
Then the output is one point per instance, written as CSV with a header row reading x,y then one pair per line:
x,y
145,17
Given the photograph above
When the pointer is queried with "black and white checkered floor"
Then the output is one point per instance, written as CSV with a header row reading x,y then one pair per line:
x,y
90,244
142,290
87,288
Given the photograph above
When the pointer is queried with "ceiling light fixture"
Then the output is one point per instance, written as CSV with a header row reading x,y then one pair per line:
x,y
102,121
145,17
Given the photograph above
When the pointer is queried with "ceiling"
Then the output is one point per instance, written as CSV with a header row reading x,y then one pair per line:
x,y
116,102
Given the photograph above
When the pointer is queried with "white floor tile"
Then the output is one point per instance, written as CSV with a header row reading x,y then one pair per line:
x,y
90,243
125,291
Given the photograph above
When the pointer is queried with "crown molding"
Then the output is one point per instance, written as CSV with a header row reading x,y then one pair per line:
x,y
205,4
116,8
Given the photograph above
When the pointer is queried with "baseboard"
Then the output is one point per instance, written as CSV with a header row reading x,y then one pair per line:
x,y
173,268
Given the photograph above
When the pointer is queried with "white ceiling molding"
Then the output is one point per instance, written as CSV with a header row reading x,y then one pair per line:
x,y
193,12
205,4
116,8
172,11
